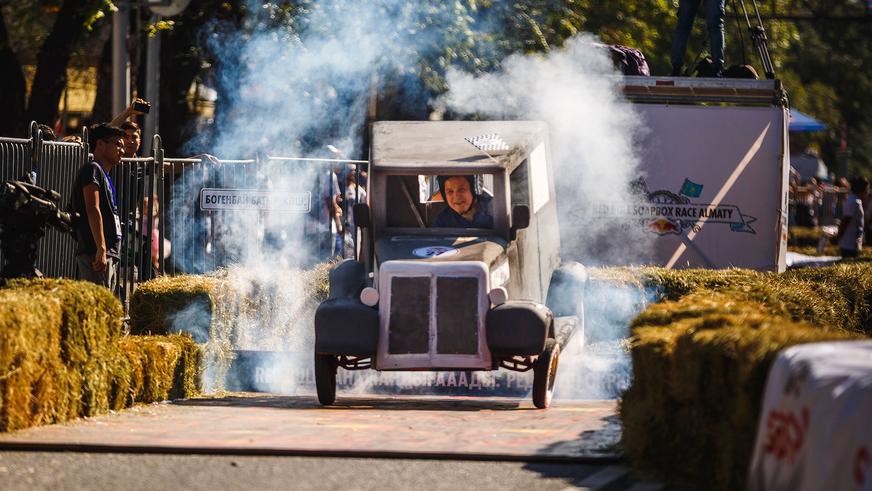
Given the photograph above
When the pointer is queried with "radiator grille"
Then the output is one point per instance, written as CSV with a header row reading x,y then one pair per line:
x,y
409,326
457,316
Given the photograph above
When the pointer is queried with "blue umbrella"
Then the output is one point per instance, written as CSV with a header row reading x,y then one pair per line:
x,y
801,122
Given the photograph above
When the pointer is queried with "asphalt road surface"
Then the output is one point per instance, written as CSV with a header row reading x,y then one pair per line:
x,y
256,441
132,472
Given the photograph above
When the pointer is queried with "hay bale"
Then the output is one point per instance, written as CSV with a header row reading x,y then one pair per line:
x,y
91,315
166,304
31,372
61,356
700,366
156,368
89,330
804,236
844,289
233,308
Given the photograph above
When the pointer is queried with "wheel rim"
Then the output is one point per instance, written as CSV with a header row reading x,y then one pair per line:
x,y
552,372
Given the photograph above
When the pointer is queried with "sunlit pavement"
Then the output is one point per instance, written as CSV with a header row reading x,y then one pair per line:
x,y
573,444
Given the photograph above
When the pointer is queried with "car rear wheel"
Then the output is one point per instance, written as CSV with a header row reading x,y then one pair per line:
x,y
544,374
325,378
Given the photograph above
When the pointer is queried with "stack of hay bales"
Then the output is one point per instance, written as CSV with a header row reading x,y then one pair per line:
x,y
701,357
233,308
62,355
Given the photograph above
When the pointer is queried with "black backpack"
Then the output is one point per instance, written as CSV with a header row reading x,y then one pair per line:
x,y
629,61
741,71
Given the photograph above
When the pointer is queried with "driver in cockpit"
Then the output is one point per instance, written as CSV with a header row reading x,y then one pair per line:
x,y
468,206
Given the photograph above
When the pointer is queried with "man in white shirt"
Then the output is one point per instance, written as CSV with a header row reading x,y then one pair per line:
x,y
850,235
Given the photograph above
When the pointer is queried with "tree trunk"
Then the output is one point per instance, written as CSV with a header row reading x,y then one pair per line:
x,y
53,58
12,86
102,110
179,66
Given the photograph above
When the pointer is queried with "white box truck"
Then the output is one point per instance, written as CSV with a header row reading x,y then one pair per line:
x,y
714,165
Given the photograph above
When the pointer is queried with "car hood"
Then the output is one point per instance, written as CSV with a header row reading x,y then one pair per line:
x,y
432,249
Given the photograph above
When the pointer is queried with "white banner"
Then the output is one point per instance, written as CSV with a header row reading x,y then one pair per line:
x,y
253,199
814,430
712,190
717,181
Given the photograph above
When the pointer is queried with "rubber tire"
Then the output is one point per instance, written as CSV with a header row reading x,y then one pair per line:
x,y
325,378
544,374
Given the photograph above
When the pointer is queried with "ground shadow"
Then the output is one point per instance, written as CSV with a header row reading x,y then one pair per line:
x,y
406,403
594,450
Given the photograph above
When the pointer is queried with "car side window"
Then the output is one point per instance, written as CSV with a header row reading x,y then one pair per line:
x,y
519,182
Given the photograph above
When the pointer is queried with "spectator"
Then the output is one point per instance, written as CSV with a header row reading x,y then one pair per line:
x,y
98,230
329,213
155,235
807,204
850,234
132,138
72,139
714,17
129,112
48,134
354,194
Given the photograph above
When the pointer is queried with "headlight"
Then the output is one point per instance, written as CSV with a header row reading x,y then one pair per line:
x,y
498,296
369,296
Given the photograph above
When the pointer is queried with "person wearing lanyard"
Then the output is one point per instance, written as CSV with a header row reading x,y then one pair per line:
x,y
98,228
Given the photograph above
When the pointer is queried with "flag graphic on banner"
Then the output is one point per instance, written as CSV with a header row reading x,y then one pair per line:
x,y
488,143
690,189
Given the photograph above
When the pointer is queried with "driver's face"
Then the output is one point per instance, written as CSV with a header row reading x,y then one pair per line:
x,y
458,195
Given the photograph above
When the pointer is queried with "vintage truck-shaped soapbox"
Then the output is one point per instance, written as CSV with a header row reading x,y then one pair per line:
x,y
419,297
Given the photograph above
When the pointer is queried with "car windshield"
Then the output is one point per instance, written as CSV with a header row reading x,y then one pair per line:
x,y
430,201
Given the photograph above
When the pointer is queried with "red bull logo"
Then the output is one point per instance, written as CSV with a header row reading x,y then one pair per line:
x,y
663,226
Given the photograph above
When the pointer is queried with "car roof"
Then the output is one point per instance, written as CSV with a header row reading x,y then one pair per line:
x,y
441,146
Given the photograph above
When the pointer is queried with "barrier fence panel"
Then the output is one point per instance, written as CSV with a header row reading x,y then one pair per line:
x,y
814,207
138,180
16,156
57,165
165,227
53,165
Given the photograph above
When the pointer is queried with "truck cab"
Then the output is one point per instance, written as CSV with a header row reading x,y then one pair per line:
x,y
419,296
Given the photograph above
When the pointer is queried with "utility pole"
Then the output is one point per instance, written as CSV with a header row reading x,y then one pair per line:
x,y
120,57
152,87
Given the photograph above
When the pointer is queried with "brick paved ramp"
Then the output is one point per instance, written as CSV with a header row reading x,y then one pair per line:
x,y
436,427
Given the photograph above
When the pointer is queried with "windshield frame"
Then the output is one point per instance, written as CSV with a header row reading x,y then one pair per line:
x,y
378,204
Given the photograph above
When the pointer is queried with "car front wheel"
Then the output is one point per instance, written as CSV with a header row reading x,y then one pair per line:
x,y
544,374
325,378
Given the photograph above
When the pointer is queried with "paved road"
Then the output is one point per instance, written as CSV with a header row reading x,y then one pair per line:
x,y
256,441
150,472
367,426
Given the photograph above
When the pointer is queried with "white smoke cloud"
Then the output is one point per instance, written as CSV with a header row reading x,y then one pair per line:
x,y
576,90
294,89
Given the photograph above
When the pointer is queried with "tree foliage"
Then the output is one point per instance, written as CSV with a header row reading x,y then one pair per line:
x,y
820,48
58,28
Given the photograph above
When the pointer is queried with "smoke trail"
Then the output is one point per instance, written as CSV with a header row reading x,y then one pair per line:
x,y
295,87
592,130
290,86
576,91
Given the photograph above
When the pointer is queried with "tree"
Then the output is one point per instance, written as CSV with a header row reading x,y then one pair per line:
x,y
72,22
12,85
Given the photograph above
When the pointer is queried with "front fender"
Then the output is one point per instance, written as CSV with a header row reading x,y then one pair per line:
x,y
518,328
344,326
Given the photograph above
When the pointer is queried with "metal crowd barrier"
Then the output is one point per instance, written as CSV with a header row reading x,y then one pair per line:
x,y
811,208
53,165
56,167
172,234
137,180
